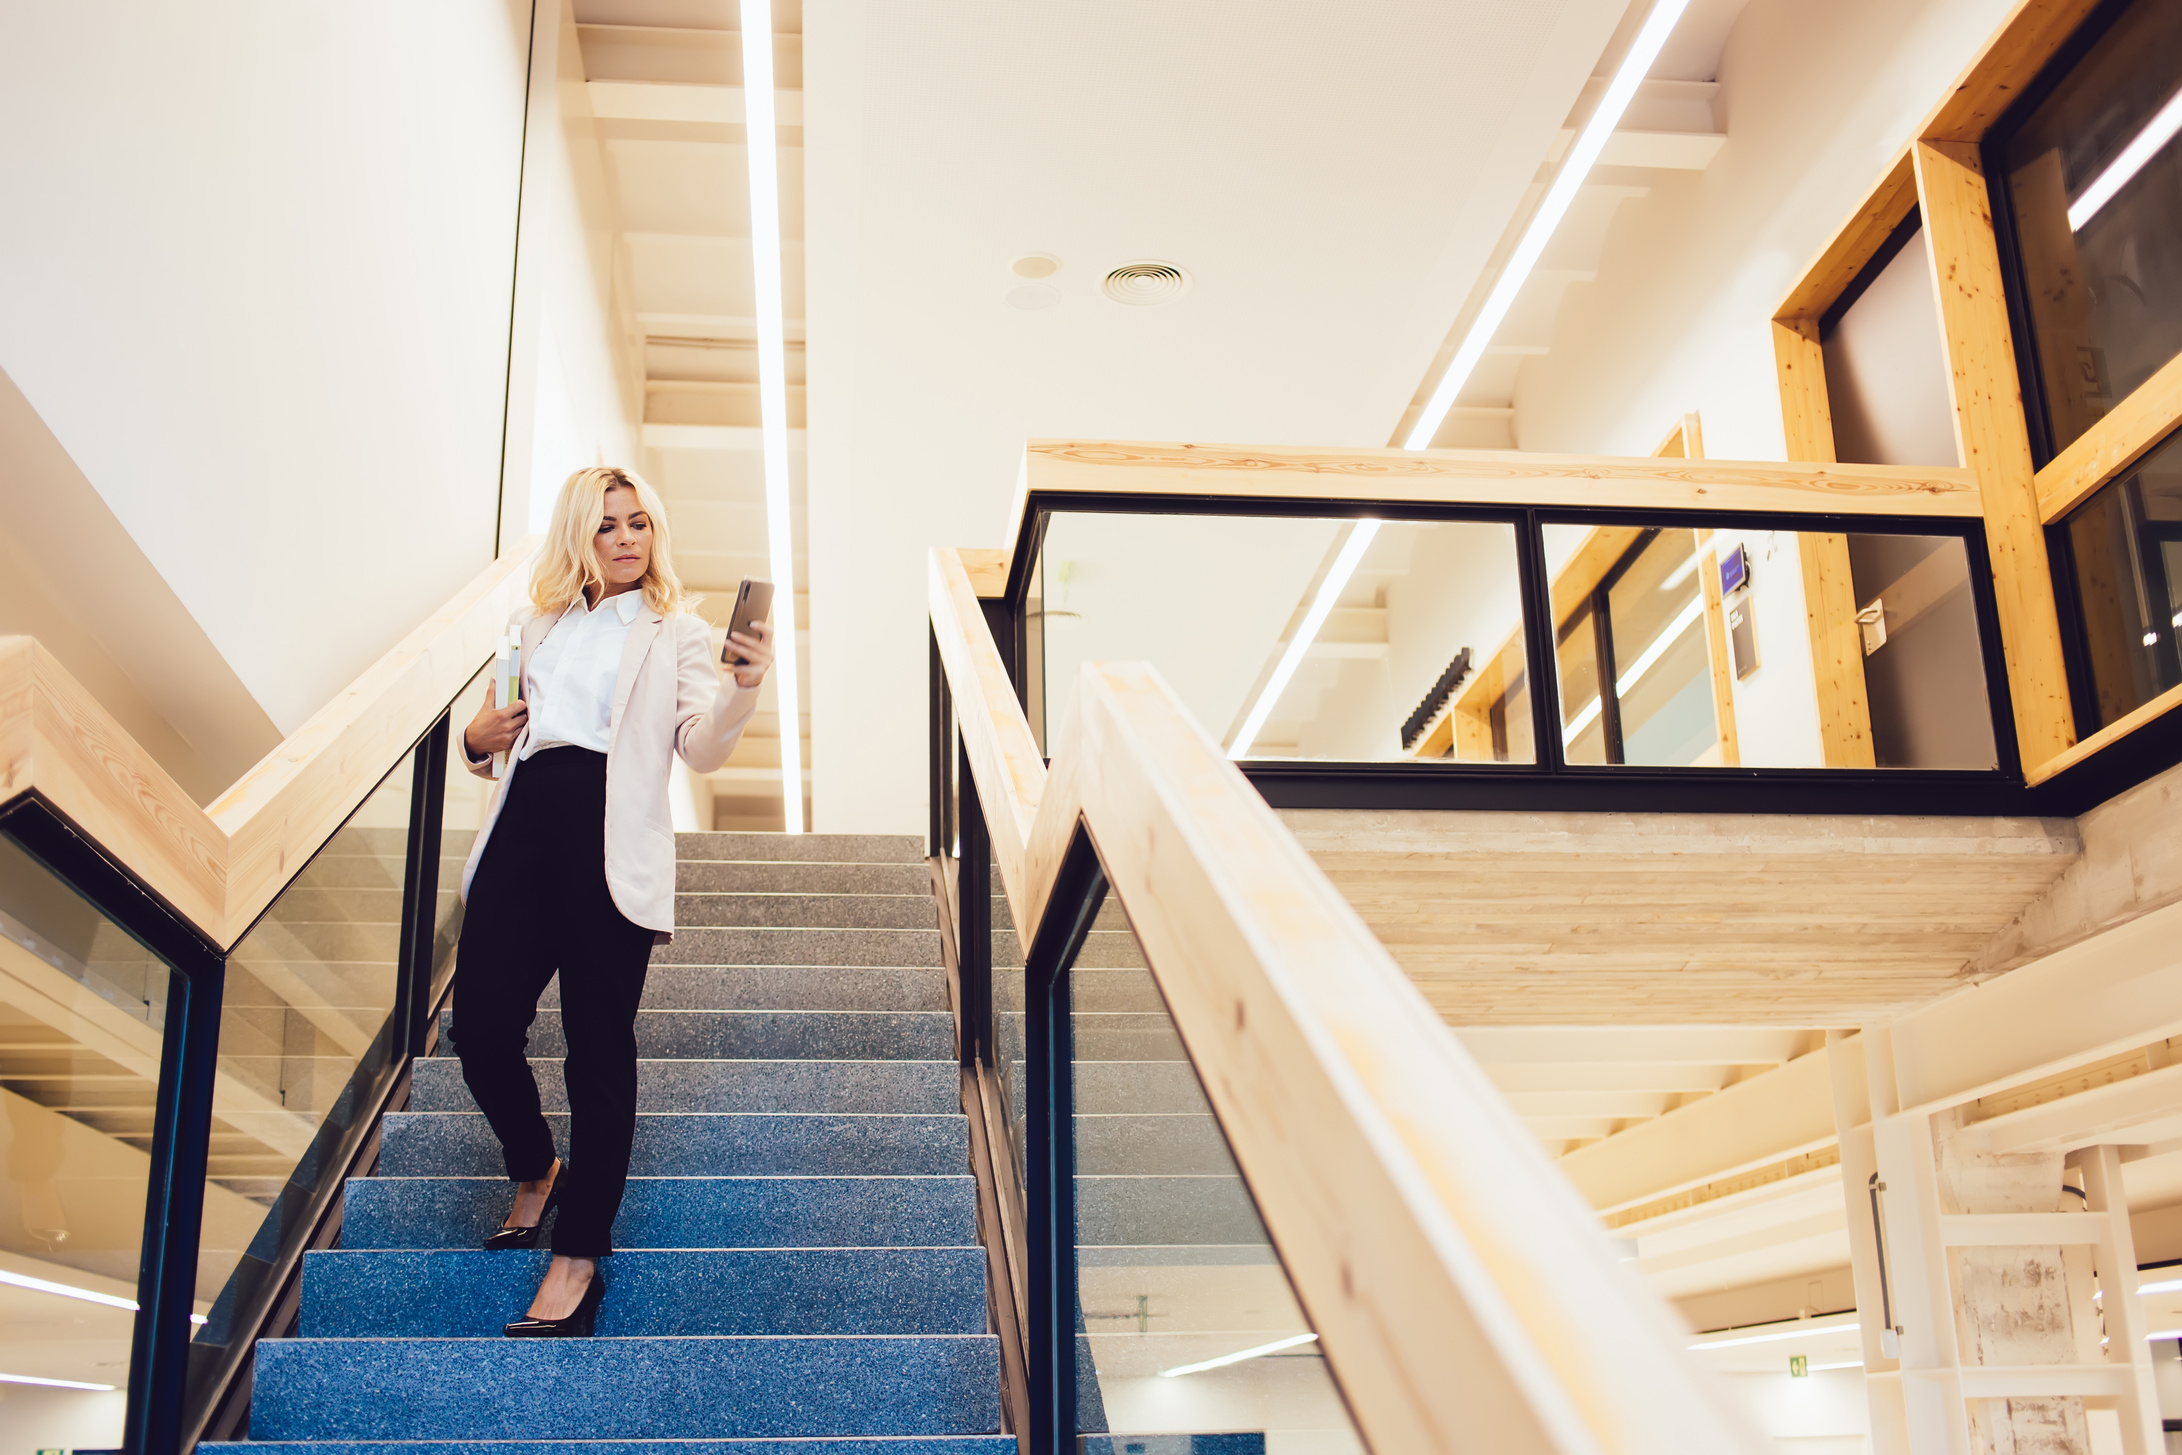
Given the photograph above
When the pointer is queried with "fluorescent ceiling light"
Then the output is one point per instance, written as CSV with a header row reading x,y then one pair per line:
x,y
1844,1364
1329,591
1774,1337
2145,145
1644,663
1581,157
69,1290
50,1383
758,113
1239,1356
65,1290
2163,1334
2165,1285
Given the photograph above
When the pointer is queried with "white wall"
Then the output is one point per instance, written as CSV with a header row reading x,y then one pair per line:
x,y
255,280
574,398
1816,101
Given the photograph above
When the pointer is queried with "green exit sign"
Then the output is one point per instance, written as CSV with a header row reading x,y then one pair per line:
x,y
1799,1366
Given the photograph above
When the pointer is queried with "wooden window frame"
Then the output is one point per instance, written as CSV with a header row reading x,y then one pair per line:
x,y
1942,174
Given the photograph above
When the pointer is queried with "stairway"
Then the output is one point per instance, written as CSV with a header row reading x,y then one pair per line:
x,y
798,1248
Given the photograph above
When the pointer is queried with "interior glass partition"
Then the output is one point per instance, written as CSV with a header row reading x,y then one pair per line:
x,y
308,1040
1190,1335
83,1011
1678,643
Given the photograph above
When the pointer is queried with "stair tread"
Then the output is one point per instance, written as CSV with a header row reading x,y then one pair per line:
x,y
652,1387
443,1293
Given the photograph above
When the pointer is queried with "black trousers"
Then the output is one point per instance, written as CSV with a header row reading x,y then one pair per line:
x,y
539,903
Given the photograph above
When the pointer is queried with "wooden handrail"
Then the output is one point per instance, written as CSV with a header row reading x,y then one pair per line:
x,y
219,868
1461,1288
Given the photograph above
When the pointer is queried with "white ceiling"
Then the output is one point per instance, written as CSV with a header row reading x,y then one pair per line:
x,y
1333,176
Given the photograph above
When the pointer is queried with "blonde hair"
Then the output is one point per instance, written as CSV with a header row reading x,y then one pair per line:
x,y
569,563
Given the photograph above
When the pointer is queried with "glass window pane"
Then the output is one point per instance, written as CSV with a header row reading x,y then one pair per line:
x,y
1189,1324
1924,670
2125,544
1708,637
1418,654
2098,221
1886,368
83,1009
305,1041
1662,668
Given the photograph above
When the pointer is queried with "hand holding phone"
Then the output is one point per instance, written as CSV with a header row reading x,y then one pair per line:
x,y
748,649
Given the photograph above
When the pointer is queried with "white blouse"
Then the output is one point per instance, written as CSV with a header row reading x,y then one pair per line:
x,y
569,681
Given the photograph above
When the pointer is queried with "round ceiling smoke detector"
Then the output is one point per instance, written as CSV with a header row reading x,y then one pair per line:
x,y
1035,265
1146,284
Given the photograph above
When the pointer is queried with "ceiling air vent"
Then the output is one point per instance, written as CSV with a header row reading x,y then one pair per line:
x,y
1146,284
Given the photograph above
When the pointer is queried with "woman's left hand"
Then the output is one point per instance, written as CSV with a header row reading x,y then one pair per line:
x,y
756,650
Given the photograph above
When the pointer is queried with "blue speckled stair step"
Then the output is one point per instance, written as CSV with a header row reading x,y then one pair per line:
x,y
872,1445
470,1294
760,1035
932,1088
801,848
757,910
711,1144
711,946
787,987
781,876
682,1212
624,1389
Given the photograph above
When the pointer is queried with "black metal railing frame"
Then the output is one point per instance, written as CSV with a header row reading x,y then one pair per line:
x,y
159,1418
1553,783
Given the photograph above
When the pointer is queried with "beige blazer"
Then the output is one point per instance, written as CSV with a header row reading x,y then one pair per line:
x,y
669,697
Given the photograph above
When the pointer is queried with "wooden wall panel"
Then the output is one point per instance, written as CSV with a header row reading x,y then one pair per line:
x,y
1993,438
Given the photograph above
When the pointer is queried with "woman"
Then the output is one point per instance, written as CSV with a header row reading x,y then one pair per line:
x,y
573,870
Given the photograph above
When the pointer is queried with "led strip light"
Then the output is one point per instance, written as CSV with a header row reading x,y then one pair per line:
x,y
1581,158
1329,591
758,126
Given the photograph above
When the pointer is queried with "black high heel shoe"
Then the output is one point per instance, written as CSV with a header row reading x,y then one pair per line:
x,y
577,1325
512,1237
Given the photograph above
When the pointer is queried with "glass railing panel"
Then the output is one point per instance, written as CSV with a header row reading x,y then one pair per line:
x,y
1657,608
83,1008
467,797
1294,637
305,1043
1007,1013
1681,647
1188,1323
2125,559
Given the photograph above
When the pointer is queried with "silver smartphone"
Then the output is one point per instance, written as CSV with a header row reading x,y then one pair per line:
x,y
753,604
